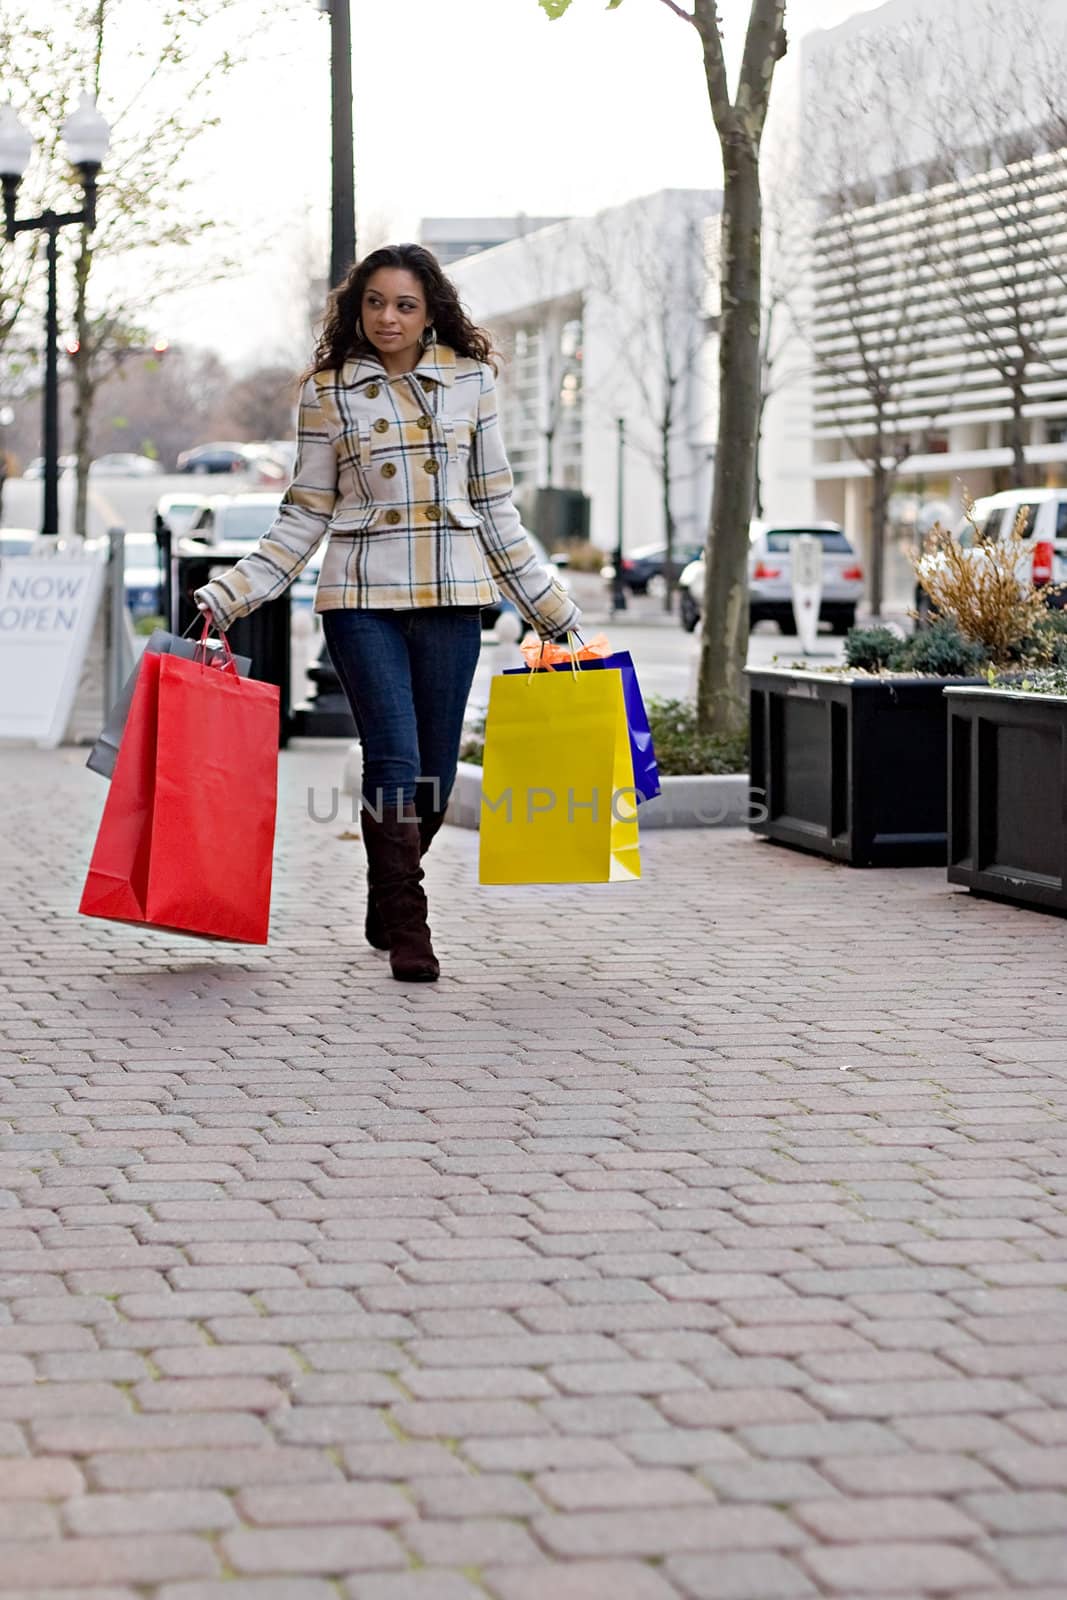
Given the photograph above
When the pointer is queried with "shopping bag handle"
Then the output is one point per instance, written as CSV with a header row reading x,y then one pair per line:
x,y
572,635
228,663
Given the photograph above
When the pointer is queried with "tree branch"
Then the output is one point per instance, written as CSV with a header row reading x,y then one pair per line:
x,y
705,19
679,11
765,45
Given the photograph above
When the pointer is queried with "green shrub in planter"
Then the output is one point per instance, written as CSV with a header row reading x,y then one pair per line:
x,y
939,650
869,649
1047,644
1041,680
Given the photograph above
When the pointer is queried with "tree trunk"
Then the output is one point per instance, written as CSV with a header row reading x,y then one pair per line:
x,y
880,481
757,483
1017,431
721,699
668,522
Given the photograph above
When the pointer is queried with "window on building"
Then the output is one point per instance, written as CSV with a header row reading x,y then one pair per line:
x,y
568,451
520,410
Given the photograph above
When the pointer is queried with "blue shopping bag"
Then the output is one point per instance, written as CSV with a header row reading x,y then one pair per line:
x,y
646,772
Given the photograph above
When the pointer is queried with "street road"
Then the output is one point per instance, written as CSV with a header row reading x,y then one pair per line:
x,y
666,657
113,502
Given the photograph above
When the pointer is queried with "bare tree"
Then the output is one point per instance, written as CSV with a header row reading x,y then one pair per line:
x,y
939,247
161,404
998,244
783,357
869,252
145,204
261,405
739,122
650,276
37,61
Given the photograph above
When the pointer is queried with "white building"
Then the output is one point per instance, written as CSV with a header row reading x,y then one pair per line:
x,y
454,238
599,319
926,271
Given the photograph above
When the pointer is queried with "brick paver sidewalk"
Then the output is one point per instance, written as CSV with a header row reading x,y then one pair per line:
x,y
700,1238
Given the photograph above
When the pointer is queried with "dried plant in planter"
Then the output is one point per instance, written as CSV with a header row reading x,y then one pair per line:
x,y
985,589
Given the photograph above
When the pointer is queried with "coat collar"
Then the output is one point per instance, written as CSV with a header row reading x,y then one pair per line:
x,y
438,364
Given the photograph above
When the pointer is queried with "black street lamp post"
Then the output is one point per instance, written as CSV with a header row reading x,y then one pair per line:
x,y
327,712
86,137
343,184
618,586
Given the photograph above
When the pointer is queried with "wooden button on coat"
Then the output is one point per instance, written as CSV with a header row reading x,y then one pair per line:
x,y
424,422
382,425
431,467
389,469
393,517
373,391
433,513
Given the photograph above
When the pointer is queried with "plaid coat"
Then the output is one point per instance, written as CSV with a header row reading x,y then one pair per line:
x,y
408,478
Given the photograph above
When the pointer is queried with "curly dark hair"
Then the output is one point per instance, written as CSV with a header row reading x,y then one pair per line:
x,y
339,339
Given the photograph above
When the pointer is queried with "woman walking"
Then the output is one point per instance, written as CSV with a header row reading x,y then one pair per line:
x,y
400,465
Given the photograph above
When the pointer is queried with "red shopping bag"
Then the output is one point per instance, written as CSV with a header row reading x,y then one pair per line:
x,y
187,835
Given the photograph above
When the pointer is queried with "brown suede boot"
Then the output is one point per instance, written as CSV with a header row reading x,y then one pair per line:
x,y
395,882
373,929
429,828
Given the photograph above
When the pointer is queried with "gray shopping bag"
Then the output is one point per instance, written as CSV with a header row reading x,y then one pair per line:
x,y
103,755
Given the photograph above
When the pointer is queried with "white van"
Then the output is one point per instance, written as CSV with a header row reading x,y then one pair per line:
x,y
1044,555
1045,528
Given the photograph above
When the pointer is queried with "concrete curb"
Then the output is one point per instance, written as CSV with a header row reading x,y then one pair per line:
x,y
703,801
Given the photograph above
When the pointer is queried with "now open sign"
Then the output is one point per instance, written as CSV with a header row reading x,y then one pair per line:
x,y
48,605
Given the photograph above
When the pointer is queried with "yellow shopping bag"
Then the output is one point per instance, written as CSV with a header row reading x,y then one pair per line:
x,y
558,802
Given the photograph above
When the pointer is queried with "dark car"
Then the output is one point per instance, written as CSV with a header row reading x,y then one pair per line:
x,y
644,569
214,458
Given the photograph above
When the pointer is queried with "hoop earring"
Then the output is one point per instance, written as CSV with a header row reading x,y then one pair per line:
x,y
429,337
360,335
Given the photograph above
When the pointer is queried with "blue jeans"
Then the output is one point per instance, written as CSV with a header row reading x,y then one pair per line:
x,y
406,675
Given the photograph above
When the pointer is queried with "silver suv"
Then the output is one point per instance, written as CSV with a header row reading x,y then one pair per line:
x,y
770,591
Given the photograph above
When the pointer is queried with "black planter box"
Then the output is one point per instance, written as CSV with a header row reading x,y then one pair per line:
x,y
851,767
1008,795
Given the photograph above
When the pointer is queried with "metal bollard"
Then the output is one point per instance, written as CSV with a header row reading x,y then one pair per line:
x,y
118,652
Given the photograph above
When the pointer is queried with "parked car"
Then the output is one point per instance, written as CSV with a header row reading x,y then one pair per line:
x,y
1044,561
143,576
770,578
16,542
124,464
179,512
243,517
283,451
207,458
35,468
490,614
644,570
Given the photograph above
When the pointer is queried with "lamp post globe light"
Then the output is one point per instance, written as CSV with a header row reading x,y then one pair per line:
x,y
86,137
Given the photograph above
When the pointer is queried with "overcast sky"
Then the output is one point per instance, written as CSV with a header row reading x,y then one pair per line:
x,y
462,107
